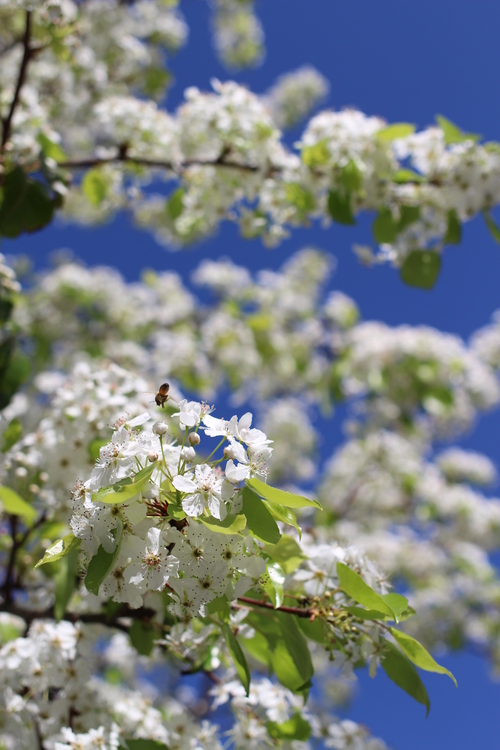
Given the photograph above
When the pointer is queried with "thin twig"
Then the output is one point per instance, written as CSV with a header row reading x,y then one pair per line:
x,y
8,583
142,161
88,617
27,51
299,611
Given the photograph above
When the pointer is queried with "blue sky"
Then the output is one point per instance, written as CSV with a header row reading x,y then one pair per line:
x,y
405,61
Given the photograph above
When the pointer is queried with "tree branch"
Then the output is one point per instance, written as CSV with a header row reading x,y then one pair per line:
x,y
27,52
123,158
88,617
299,611
8,583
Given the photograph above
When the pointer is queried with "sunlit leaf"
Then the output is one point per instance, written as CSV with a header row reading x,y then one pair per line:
x,y
238,656
418,654
421,268
14,505
288,499
401,671
60,548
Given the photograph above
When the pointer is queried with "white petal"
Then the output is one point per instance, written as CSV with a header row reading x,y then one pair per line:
x,y
236,472
193,505
141,419
184,484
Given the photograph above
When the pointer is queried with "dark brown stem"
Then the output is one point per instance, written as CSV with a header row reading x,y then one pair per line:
x,y
299,611
8,583
31,529
27,51
88,617
123,158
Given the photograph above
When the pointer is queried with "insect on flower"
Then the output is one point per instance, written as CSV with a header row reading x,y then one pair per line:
x,y
161,397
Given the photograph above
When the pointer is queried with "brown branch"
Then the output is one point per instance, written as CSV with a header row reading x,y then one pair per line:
x,y
27,52
299,611
123,158
8,583
88,617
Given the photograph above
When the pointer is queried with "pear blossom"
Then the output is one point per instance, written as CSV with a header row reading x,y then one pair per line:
x,y
205,491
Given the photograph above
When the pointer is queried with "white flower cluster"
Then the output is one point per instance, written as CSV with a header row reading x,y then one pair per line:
x,y
62,438
405,370
421,522
295,95
239,37
8,281
269,702
160,540
49,695
107,59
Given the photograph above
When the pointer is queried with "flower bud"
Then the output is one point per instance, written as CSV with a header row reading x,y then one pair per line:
x,y
228,452
188,454
194,439
152,456
160,428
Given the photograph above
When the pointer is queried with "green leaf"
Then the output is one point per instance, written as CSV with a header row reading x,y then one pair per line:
x,y
368,614
286,553
14,374
296,728
219,606
279,643
404,176
340,208
94,447
12,434
142,637
421,268
317,155
51,149
397,130
156,79
357,589
288,499
292,646
452,133
60,549
418,654
351,177
102,564
260,522
492,226
317,630
238,657
407,215
302,199
385,228
274,586
14,504
126,489
95,186
403,673
65,580
453,229
396,602
26,205
230,525
6,307
280,513
175,204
